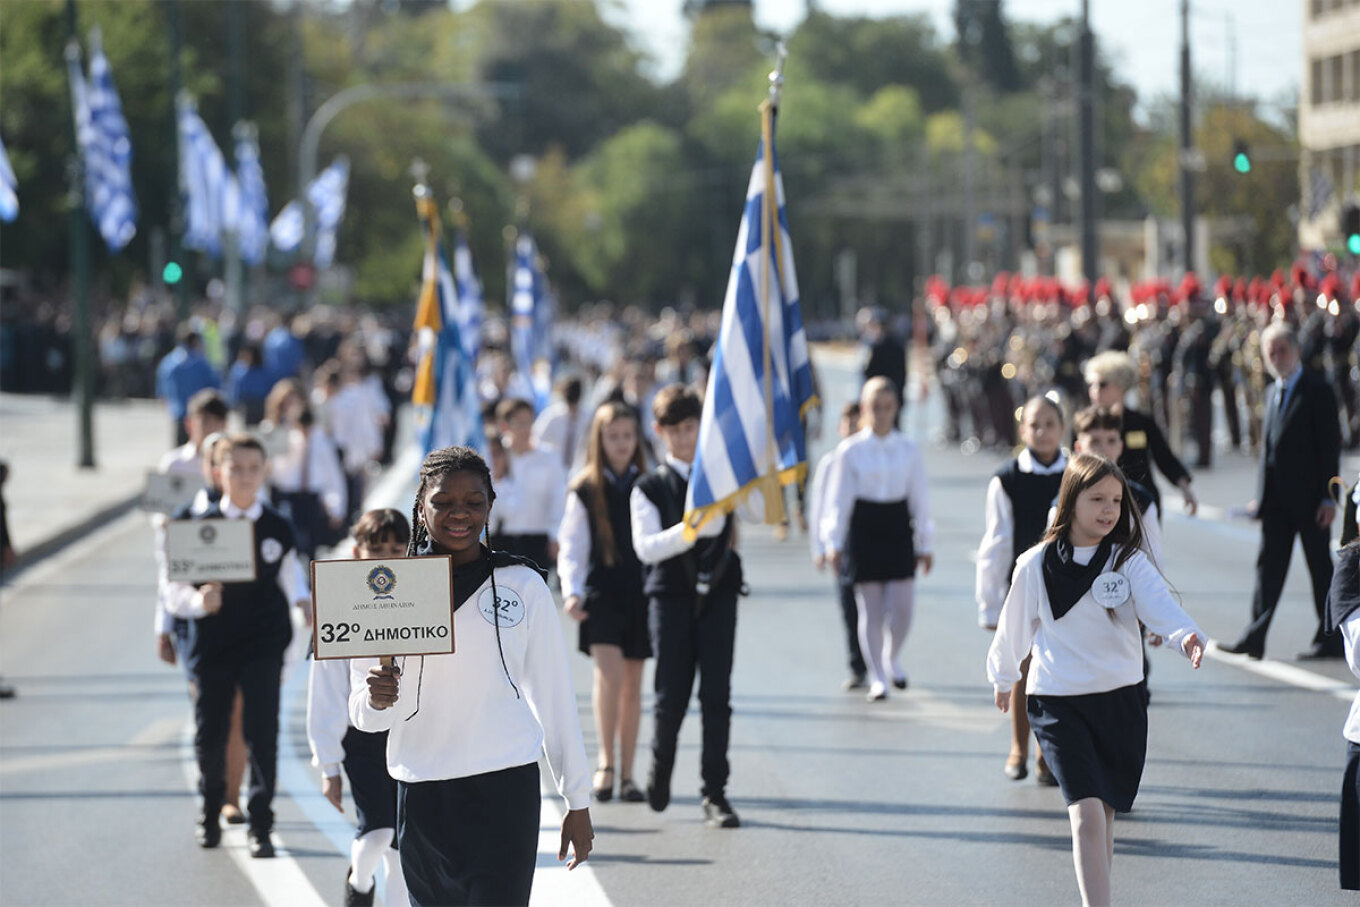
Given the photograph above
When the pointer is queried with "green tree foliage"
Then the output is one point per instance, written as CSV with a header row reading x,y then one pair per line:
x,y
984,43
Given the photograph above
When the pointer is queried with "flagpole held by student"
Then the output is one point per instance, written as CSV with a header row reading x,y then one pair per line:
x,y
1074,608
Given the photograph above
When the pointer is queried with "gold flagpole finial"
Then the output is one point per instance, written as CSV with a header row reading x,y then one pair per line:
x,y
781,51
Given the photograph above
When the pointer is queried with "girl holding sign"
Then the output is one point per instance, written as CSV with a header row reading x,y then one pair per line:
x,y
1074,605
466,728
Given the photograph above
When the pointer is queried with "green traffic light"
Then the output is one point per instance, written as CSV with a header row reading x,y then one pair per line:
x,y
1242,163
172,273
1353,243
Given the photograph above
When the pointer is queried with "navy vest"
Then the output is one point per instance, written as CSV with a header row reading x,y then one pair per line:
x,y
1032,496
254,618
710,557
621,584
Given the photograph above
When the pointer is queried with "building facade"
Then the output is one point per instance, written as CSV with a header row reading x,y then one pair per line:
x,y
1329,119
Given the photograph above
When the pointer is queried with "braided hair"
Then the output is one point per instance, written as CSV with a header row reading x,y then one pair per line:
x,y
439,464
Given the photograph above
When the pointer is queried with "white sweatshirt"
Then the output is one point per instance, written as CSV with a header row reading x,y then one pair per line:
x,y
457,715
1350,633
328,713
1086,651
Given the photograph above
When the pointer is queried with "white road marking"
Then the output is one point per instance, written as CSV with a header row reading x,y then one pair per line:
x,y
1285,673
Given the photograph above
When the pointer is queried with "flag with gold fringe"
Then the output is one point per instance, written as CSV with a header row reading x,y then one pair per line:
x,y
751,432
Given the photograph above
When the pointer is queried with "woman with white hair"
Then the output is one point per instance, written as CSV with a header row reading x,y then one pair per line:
x,y
1109,378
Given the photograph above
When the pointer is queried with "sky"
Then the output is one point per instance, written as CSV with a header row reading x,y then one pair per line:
x,y
1141,36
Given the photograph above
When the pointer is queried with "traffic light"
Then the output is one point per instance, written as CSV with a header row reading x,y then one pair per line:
x,y
172,273
1350,227
1241,156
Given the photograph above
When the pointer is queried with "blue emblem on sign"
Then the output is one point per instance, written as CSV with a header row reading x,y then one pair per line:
x,y
382,581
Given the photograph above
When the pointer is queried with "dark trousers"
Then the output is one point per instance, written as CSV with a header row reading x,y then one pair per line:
x,y
684,641
1278,529
470,841
1350,820
181,433
258,676
850,615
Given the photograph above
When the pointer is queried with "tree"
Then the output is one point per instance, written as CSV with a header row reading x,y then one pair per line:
x,y
983,43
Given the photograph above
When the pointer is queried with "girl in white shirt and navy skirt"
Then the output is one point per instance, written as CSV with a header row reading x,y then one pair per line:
x,y
878,516
1343,616
1075,604
466,729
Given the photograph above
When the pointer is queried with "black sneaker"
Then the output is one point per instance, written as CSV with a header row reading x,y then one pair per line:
x,y
208,833
261,847
659,785
718,813
358,898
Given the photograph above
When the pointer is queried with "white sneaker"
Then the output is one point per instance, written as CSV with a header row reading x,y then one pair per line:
x,y
877,692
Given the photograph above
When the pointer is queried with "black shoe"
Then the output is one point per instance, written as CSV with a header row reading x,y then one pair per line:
x,y
1044,777
659,785
718,813
6,691
358,898
233,815
900,682
208,833
629,793
1016,771
1321,650
854,682
261,847
1241,648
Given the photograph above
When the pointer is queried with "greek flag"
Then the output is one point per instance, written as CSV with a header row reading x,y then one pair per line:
x,y
252,215
327,197
471,305
445,390
288,226
750,434
527,286
204,182
104,146
9,196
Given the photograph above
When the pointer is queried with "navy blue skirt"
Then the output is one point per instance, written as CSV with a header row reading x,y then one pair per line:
x,y
373,790
1350,819
1095,744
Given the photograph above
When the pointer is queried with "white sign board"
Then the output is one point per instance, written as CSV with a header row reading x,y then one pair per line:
x,y
210,551
167,492
386,606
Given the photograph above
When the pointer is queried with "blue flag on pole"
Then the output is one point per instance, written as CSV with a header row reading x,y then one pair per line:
x,y
471,305
108,157
327,197
524,305
252,216
9,195
751,433
204,181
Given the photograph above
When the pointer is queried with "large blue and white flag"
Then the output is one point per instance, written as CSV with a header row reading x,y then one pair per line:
x,y
448,411
288,227
252,214
205,182
527,286
750,433
471,305
9,188
327,197
108,157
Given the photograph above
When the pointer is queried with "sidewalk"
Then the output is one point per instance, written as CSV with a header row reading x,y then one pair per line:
x,y
49,500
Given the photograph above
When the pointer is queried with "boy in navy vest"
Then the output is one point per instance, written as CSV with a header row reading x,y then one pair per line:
x,y
692,590
237,636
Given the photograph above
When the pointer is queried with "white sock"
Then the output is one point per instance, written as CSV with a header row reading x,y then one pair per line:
x,y
364,856
394,895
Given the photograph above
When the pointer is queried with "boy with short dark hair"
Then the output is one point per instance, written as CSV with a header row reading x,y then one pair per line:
x,y
692,589
237,636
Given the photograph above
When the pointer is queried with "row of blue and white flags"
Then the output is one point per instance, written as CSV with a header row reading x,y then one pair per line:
x,y
217,202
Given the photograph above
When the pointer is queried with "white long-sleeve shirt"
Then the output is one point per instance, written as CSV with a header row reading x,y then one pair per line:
x,y
1091,649
993,576
655,544
457,715
355,425
815,499
1350,634
573,547
324,473
877,469
541,490
328,713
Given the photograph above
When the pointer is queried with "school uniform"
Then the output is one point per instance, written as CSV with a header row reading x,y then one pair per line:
x,y
692,590
616,608
1085,688
309,487
241,646
1019,497
1343,616
845,588
541,488
336,743
464,752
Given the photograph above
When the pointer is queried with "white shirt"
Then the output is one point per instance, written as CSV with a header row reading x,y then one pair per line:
x,y
870,468
469,720
1350,634
573,547
1087,651
324,475
328,713
556,428
185,460
355,425
816,503
652,543
540,488
993,576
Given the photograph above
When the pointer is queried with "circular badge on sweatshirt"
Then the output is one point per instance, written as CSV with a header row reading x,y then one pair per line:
x,y
502,607
271,550
1110,589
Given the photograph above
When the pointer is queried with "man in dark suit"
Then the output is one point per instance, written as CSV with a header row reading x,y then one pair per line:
x,y
1301,452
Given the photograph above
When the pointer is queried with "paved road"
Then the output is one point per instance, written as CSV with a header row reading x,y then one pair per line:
x,y
842,801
